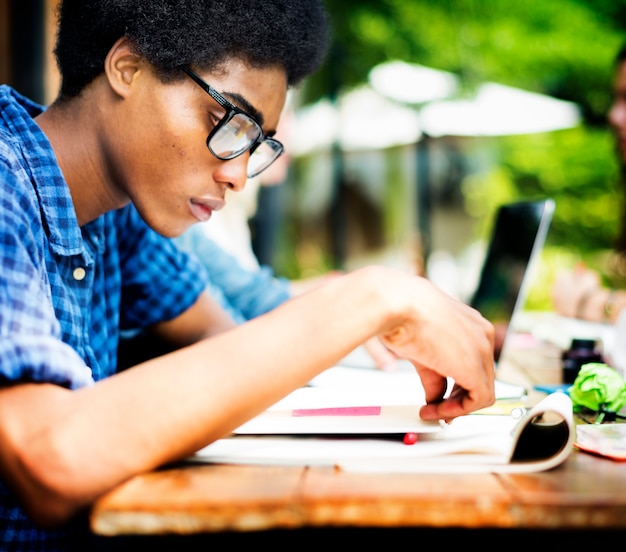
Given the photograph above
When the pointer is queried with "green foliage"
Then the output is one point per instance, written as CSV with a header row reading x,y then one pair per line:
x,y
576,167
564,48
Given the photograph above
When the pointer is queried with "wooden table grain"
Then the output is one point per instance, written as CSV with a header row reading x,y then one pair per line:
x,y
586,492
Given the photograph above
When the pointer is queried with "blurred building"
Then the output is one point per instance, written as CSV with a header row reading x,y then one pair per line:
x,y
26,41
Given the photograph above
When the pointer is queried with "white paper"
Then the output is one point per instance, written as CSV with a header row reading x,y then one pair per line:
x,y
473,443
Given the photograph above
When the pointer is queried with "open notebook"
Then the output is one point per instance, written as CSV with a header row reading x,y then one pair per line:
x,y
317,426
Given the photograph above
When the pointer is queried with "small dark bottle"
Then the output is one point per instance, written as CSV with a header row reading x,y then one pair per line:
x,y
581,351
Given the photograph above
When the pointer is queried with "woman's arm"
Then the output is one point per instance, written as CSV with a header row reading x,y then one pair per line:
x,y
62,449
579,293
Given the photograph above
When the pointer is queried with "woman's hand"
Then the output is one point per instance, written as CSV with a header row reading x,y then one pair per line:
x,y
444,338
571,289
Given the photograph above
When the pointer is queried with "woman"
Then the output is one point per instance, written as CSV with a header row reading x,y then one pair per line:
x,y
163,106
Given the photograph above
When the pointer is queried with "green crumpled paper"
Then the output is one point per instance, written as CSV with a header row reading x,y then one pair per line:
x,y
598,387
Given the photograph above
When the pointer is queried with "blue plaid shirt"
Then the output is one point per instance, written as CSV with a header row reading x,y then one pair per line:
x,y
243,293
66,291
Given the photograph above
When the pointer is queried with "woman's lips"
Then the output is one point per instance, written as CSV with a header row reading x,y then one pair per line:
x,y
202,209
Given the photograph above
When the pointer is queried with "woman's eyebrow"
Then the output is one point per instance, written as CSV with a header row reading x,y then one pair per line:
x,y
246,106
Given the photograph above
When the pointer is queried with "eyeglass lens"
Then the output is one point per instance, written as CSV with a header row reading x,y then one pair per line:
x,y
237,133
234,137
263,156
237,136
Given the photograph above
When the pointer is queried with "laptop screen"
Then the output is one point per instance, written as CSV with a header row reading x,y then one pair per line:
x,y
517,238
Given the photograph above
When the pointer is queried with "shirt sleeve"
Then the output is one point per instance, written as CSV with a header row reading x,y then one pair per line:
x,y
159,281
31,347
244,293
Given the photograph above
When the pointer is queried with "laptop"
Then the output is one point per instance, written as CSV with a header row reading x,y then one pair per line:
x,y
517,239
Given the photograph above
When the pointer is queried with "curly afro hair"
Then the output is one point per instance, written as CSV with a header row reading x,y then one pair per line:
x,y
201,33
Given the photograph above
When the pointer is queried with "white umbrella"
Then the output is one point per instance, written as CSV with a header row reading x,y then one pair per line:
x,y
363,120
498,110
410,83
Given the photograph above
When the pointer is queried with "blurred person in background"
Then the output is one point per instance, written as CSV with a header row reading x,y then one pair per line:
x,y
579,292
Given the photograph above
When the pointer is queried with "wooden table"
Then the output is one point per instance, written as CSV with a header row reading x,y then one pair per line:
x,y
586,493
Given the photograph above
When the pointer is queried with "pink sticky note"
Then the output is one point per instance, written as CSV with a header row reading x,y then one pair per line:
x,y
338,411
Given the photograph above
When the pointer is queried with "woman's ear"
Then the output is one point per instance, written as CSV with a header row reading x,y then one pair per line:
x,y
121,65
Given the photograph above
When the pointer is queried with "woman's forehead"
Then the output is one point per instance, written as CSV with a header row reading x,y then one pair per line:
x,y
263,88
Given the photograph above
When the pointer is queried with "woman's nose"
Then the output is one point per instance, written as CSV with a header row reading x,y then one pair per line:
x,y
234,172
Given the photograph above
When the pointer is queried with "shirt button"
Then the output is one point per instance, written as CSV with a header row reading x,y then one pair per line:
x,y
79,273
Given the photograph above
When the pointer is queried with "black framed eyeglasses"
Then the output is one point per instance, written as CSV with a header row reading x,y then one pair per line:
x,y
237,132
